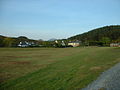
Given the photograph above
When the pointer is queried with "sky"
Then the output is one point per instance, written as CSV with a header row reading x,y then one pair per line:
x,y
46,19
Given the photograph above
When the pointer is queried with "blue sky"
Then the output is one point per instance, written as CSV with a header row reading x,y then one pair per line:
x,y
45,19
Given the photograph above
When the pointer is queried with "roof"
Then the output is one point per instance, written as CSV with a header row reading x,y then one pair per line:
x,y
74,42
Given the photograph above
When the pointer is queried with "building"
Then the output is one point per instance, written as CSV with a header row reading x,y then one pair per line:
x,y
26,44
74,43
115,45
23,44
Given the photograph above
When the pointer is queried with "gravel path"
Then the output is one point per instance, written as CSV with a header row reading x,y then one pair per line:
x,y
108,80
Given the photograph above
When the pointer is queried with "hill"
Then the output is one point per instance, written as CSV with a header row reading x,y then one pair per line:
x,y
14,41
109,33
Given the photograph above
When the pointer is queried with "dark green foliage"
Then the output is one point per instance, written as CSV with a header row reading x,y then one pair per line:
x,y
7,42
105,41
13,42
23,37
1,41
103,35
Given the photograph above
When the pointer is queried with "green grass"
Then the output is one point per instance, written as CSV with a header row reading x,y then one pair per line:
x,y
54,68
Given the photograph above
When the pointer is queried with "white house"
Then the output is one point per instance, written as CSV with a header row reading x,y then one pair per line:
x,y
74,43
115,45
23,44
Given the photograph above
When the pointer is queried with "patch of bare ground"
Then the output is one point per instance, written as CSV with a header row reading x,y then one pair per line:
x,y
5,76
20,62
102,89
83,66
11,56
11,63
95,68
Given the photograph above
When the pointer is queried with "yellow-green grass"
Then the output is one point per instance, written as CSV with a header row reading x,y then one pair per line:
x,y
53,68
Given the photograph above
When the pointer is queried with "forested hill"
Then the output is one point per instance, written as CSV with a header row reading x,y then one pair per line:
x,y
109,32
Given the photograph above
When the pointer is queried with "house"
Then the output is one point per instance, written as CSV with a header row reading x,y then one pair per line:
x,y
74,43
63,43
115,45
59,43
23,44
26,44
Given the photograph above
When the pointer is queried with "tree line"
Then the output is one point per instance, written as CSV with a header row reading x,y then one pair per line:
x,y
101,36
14,42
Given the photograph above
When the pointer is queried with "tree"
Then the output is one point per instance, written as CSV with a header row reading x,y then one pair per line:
x,y
8,42
118,40
1,41
105,41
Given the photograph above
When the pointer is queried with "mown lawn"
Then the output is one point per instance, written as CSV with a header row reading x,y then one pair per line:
x,y
53,68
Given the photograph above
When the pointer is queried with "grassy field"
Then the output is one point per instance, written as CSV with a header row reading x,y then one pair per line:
x,y
53,68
